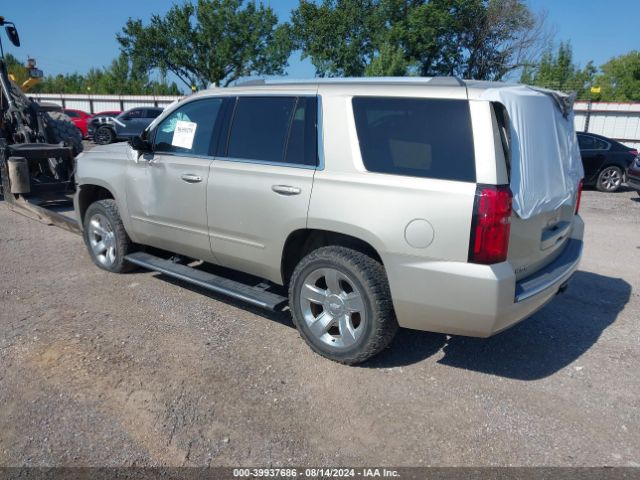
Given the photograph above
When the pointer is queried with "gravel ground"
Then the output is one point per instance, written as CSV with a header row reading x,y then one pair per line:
x,y
105,370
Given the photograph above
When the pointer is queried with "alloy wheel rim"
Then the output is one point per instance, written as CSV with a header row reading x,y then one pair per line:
x,y
333,307
102,240
611,179
102,136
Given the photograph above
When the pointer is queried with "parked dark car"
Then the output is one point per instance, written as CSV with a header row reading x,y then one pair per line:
x,y
99,118
129,123
633,175
605,161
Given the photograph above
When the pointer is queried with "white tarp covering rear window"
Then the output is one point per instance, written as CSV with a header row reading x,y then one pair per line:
x,y
545,159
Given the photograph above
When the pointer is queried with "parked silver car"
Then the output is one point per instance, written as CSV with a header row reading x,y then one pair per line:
x,y
379,203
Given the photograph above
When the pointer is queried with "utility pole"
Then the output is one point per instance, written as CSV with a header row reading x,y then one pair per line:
x,y
594,91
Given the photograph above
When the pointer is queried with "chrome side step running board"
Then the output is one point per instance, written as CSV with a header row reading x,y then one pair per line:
x,y
254,295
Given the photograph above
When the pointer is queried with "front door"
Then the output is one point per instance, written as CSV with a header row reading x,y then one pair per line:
x,y
167,188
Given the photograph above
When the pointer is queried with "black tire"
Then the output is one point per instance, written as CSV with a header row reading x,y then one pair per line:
x,y
60,128
107,211
610,179
104,135
367,278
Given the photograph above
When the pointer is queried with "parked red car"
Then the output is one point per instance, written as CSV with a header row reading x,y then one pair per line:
x,y
80,119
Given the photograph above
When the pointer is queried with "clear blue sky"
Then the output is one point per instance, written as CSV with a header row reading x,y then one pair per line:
x,y
74,35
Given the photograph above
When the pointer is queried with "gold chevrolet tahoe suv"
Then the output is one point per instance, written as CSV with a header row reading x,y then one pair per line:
x,y
424,203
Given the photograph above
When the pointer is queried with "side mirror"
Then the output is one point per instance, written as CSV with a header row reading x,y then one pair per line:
x,y
12,33
139,144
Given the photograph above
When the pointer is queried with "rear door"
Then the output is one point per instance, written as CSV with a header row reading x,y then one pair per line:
x,y
260,183
592,151
167,188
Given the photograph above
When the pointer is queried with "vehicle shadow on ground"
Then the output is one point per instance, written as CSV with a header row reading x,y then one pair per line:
x,y
538,347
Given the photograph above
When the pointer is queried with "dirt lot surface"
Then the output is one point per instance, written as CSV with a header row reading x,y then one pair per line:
x,y
101,369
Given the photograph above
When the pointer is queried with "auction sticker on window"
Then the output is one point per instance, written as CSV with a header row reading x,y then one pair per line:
x,y
183,134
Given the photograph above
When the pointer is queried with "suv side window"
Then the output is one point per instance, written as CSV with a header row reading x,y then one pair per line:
x,y
197,117
260,128
302,145
417,137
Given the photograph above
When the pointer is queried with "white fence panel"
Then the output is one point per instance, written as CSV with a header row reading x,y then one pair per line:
x,y
99,103
105,105
620,121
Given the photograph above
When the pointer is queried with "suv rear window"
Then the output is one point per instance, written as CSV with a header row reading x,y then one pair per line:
x,y
417,137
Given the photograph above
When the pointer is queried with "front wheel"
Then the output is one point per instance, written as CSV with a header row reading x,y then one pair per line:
x,y
341,304
106,238
610,179
104,136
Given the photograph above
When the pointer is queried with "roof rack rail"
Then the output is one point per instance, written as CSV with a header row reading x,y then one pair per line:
x,y
250,81
431,81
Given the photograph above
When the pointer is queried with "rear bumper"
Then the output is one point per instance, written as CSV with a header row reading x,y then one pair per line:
x,y
475,300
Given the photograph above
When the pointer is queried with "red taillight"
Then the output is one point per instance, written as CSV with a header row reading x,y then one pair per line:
x,y
491,224
634,152
579,196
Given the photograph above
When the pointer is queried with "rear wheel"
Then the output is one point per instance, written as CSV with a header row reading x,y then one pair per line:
x,y
104,136
610,179
341,304
106,238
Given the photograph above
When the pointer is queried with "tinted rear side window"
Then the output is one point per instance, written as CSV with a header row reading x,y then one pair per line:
x,y
416,137
585,142
303,142
260,128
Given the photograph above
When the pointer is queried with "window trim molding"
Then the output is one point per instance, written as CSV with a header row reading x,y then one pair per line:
x,y
265,162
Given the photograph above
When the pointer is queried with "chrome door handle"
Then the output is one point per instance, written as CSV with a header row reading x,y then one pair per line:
x,y
191,178
286,190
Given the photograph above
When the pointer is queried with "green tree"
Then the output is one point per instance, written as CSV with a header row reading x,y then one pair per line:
x,y
620,78
122,77
482,39
558,71
338,35
389,62
215,41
